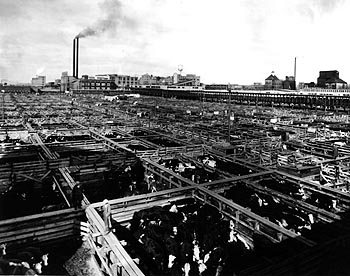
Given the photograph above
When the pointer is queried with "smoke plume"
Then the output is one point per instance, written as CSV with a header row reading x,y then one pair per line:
x,y
40,70
113,19
327,5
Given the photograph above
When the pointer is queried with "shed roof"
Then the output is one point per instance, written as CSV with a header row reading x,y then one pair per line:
x,y
272,77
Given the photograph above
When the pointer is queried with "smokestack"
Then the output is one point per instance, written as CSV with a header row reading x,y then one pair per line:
x,y
77,58
74,57
295,70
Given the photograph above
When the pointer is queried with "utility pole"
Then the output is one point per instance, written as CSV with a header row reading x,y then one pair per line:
x,y
202,103
295,70
149,118
3,105
229,112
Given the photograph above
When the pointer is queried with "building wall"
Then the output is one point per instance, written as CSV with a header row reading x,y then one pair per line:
x,y
187,80
124,80
325,75
145,79
39,81
335,85
96,84
67,82
289,83
268,84
273,83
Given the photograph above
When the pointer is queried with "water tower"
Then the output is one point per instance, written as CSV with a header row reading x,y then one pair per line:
x,y
180,68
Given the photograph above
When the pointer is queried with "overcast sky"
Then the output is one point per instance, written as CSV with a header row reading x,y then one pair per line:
x,y
236,41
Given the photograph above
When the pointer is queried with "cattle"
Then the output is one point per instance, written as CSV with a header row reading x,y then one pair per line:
x,y
28,261
183,238
299,192
190,171
15,267
120,181
322,201
77,195
270,207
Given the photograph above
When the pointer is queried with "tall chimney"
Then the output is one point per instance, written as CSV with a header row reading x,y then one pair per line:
x,y
295,70
74,57
77,58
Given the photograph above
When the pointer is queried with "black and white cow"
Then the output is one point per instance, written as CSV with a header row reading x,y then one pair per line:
x,y
185,238
28,261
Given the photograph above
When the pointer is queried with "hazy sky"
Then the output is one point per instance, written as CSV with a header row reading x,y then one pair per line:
x,y
236,41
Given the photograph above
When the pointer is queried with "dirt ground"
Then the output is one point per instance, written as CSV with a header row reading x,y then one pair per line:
x,y
82,263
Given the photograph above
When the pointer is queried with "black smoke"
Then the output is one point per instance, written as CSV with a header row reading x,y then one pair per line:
x,y
112,20
327,5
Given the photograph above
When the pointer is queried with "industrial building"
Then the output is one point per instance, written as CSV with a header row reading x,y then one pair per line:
x,y
67,82
186,80
330,79
289,83
272,82
97,83
147,79
124,81
39,81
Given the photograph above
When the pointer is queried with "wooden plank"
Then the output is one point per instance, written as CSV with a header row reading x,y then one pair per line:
x,y
29,230
38,222
38,235
43,216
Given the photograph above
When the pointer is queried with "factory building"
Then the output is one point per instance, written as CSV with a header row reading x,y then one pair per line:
x,y
272,82
100,77
147,79
289,83
107,82
57,81
98,83
330,79
67,82
186,80
39,81
124,81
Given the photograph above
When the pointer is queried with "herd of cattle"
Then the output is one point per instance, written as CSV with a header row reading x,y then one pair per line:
x,y
190,238
57,138
298,192
211,172
189,170
29,261
25,198
122,181
219,164
186,238
270,207
265,205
